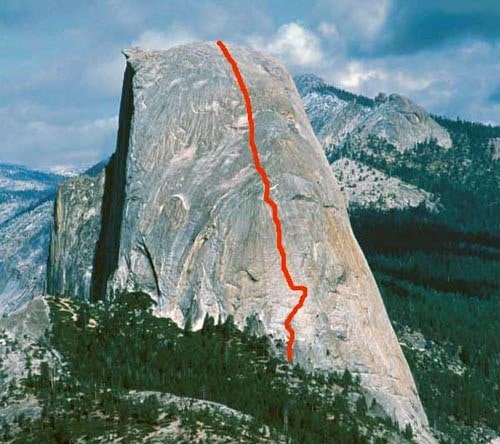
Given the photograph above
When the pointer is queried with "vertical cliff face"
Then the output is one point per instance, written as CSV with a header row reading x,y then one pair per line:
x,y
75,229
183,218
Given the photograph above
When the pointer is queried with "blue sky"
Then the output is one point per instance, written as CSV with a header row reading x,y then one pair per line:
x,y
61,66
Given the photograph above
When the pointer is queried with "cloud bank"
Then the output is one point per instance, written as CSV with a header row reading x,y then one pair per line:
x,y
62,69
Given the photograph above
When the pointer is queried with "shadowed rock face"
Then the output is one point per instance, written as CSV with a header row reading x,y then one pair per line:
x,y
183,211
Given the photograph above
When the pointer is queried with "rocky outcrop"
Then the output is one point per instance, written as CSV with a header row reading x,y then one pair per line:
x,y
495,148
403,124
183,218
75,230
22,350
367,187
174,432
337,115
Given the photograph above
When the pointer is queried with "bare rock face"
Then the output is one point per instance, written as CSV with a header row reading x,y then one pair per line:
x,y
403,124
26,201
337,115
495,148
367,187
26,230
75,230
183,218
22,352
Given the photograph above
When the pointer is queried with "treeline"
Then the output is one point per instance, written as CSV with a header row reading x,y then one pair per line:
x,y
474,130
418,229
468,327
345,95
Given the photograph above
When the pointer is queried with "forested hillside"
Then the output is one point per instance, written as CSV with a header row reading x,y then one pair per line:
x,y
437,266
442,283
466,177
113,349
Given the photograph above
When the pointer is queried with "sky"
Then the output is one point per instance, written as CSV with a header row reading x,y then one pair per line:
x,y
61,63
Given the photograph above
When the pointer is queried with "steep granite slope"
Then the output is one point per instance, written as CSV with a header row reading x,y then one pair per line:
x,y
183,218
333,116
357,127
402,123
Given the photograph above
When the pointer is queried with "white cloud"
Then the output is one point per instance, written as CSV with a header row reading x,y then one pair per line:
x,y
292,43
329,30
355,19
39,143
370,16
106,75
441,81
81,80
355,74
365,76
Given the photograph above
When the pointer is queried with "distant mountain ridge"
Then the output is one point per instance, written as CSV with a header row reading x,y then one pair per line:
x,y
26,200
337,115
26,210
22,188
391,136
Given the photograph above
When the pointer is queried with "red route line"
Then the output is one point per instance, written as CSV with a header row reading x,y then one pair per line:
x,y
268,200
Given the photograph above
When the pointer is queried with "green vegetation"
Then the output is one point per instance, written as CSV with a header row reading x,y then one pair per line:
x,y
465,177
439,272
111,349
443,283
